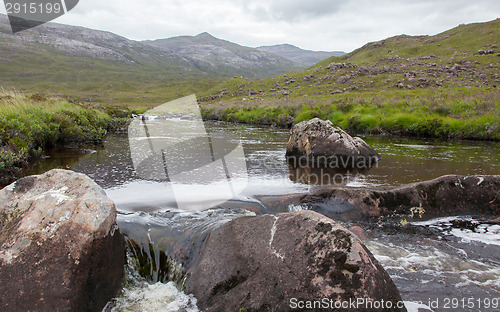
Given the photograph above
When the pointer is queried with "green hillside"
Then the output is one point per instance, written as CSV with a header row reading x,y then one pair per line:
x,y
111,83
444,85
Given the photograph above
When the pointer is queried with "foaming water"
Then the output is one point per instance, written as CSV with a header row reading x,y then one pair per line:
x,y
139,295
454,257
157,297
466,228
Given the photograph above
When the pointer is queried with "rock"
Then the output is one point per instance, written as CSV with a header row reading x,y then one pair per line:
x,y
485,52
360,232
60,247
272,262
319,143
449,195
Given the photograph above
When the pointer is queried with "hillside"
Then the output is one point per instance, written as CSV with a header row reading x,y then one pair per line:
x,y
223,58
94,66
300,56
437,80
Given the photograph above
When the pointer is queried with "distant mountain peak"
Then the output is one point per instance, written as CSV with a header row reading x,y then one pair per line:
x,y
205,34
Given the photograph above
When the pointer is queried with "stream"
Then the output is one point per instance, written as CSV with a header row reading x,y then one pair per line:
x,y
446,264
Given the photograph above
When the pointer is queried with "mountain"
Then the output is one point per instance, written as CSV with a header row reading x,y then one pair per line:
x,y
220,57
94,65
299,56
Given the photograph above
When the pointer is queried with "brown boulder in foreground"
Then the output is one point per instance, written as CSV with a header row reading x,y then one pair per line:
x,y
60,247
276,262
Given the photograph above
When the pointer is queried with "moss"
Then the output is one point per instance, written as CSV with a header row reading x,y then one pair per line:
x,y
227,285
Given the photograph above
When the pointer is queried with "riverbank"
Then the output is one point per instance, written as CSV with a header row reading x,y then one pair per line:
x,y
458,113
30,124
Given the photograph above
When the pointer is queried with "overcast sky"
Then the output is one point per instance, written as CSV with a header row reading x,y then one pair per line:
x,y
310,24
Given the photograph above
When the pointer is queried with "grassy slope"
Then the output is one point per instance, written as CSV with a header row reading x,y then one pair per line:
x,y
428,85
30,124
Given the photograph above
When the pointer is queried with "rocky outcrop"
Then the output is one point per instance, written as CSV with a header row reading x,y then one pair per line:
x,y
278,262
318,143
449,195
60,247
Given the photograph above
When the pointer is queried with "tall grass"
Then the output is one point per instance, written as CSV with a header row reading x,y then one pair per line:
x,y
31,123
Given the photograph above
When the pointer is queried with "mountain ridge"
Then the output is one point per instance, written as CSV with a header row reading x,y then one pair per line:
x,y
210,54
105,67
300,56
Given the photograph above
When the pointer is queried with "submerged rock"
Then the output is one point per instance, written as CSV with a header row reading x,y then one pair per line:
x,y
286,261
319,143
60,247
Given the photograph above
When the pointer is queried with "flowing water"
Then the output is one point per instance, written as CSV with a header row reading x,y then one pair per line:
x,y
449,264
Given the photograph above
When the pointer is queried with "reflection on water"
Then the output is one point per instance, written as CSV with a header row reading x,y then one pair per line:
x,y
325,176
412,160
403,161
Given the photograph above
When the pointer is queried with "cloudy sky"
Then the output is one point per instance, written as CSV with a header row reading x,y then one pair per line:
x,y
310,24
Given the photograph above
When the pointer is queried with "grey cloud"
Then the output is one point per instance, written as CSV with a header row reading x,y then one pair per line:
x,y
293,10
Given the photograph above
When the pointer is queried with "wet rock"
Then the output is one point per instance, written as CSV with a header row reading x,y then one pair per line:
x,y
360,232
271,262
449,195
321,144
60,247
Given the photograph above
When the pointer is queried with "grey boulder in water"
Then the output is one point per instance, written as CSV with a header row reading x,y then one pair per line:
x,y
319,143
60,247
285,262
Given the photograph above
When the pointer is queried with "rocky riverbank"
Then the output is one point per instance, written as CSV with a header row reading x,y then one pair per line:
x,y
60,247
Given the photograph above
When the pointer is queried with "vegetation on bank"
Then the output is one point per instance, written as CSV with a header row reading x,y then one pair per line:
x,y
29,124
457,113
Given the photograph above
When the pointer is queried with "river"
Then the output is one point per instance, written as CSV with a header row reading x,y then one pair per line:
x,y
438,265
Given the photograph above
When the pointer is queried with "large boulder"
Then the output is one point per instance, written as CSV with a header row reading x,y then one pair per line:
x,y
60,247
287,261
319,143
448,195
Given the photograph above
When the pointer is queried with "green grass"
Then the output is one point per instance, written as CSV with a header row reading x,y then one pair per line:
x,y
447,113
29,124
458,42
